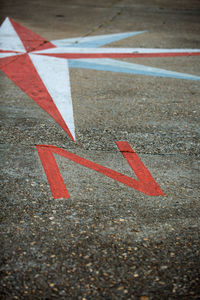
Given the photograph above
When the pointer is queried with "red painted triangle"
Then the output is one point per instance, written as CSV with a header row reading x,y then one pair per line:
x,y
31,40
23,73
7,60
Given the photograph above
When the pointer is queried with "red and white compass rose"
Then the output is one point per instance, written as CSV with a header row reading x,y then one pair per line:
x,y
41,68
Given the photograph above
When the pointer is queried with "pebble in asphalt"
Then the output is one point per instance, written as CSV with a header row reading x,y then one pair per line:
x,y
107,241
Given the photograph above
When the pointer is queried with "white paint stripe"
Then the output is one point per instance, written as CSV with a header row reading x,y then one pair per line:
x,y
54,73
124,67
115,50
2,55
96,41
88,38
9,40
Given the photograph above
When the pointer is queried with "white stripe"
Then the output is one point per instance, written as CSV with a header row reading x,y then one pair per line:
x,y
125,67
54,73
114,50
9,40
70,41
2,55
100,40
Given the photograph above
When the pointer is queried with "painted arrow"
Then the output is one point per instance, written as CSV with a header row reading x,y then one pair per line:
x,y
41,68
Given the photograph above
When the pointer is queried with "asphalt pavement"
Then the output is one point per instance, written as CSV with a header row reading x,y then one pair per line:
x,y
108,240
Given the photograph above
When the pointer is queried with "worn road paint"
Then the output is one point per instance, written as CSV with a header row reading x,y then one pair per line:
x,y
45,80
94,41
60,93
125,67
70,52
9,40
30,40
40,69
24,74
145,183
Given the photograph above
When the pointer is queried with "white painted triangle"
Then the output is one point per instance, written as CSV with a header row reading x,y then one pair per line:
x,y
9,40
94,41
54,73
129,68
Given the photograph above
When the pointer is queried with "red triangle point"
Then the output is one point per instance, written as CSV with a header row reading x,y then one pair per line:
x,y
31,40
22,72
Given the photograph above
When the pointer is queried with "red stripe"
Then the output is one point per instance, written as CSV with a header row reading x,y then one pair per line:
x,y
8,51
31,40
22,72
55,179
117,55
145,183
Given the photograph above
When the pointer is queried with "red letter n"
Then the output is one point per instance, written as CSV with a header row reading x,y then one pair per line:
x,y
145,183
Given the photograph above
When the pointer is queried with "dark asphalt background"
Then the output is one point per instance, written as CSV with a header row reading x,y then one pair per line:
x,y
107,241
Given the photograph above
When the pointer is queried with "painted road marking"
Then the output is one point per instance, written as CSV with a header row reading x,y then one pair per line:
x,y
53,72
51,89
24,74
145,183
107,64
71,53
31,40
9,40
94,41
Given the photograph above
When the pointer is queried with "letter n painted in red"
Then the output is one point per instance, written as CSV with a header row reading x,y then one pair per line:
x,y
145,183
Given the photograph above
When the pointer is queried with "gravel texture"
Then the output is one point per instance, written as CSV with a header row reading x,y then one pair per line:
x,y
107,241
